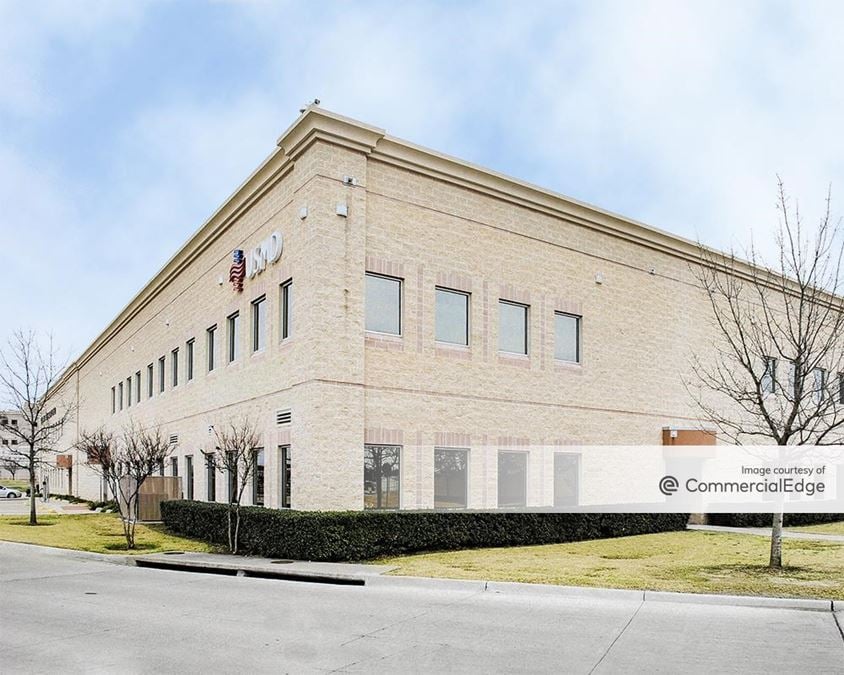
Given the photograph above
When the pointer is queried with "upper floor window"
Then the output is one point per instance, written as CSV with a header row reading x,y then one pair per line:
x,y
259,323
128,391
120,396
383,304
567,337
161,374
189,345
512,327
150,381
113,401
769,376
138,387
233,325
286,309
210,344
174,367
452,317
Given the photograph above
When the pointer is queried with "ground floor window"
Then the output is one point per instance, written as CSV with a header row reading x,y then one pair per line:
x,y
284,476
174,466
211,479
381,476
566,479
451,478
231,474
512,479
258,478
189,476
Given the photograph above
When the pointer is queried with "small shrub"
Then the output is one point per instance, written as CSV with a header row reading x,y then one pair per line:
x,y
361,535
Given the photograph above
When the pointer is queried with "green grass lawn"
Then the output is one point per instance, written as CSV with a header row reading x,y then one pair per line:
x,y
823,528
696,562
15,484
98,532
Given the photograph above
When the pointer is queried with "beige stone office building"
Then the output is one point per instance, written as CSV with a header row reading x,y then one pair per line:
x,y
405,329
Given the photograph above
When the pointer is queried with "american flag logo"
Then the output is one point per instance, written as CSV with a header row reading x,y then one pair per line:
x,y
238,270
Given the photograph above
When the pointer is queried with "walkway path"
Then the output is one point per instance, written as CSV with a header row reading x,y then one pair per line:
x,y
766,532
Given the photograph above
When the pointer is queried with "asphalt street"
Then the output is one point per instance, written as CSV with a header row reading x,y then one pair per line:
x,y
62,612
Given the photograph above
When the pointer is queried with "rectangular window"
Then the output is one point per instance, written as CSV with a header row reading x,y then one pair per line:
x,y
113,401
161,374
120,395
210,336
451,478
286,309
258,477
174,367
284,476
383,304
128,392
769,376
452,317
161,468
841,387
231,474
259,323
566,479
138,387
174,466
189,476
150,380
819,376
512,327
381,476
189,358
512,479
566,337
233,323
210,479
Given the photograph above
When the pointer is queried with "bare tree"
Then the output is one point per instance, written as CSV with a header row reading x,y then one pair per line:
x,y
29,373
236,446
11,466
125,461
780,329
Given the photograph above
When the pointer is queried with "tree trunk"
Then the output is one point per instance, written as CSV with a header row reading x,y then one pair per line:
x,y
236,527
776,542
229,527
33,520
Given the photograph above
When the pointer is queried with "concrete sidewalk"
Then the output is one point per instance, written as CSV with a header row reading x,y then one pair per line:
x,y
362,574
766,532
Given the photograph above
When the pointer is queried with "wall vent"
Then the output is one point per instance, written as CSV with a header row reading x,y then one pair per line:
x,y
283,417
174,439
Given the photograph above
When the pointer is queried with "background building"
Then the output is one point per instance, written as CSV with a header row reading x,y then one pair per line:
x,y
411,330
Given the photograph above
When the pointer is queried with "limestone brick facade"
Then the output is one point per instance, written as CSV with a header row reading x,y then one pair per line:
x,y
431,221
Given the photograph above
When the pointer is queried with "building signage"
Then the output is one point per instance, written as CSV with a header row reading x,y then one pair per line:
x,y
252,262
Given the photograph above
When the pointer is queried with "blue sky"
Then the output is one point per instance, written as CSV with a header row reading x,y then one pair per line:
x,y
124,125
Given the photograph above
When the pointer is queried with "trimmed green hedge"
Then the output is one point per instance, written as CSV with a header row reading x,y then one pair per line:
x,y
765,519
361,535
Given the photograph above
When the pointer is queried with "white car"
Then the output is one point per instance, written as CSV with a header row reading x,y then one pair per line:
x,y
9,493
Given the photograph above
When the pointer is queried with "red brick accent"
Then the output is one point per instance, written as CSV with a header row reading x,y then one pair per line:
x,y
383,266
379,436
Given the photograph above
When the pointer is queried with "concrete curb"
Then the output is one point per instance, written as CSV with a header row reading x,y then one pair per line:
x,y
157,561
616,594
111,558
